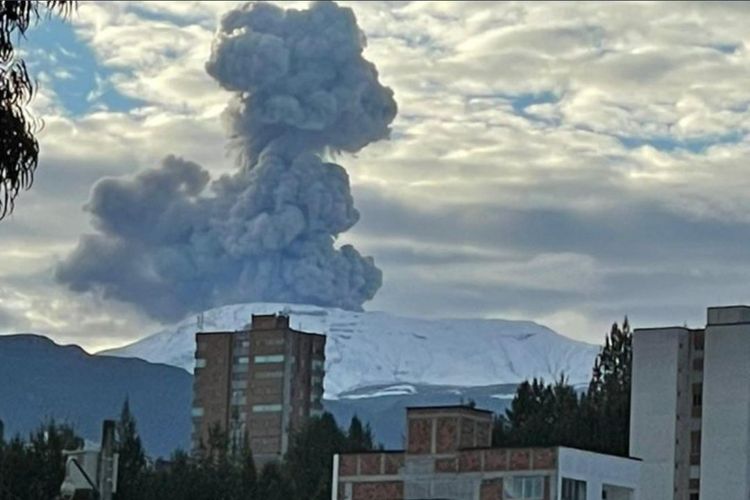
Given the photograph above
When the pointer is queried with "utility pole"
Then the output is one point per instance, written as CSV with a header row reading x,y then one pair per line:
x,y
107,461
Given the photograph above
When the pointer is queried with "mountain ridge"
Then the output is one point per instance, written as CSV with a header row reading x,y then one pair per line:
x,y
46,380
367,349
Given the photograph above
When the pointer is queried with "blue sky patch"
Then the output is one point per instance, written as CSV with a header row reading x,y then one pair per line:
x,y
58,58
694,145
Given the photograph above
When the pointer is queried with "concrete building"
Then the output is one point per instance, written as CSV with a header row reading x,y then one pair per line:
x,y
690,408
448,456
257,384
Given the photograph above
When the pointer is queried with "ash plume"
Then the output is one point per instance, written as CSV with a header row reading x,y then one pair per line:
x,y
172,241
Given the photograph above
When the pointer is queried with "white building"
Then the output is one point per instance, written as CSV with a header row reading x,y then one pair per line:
x,y
692,450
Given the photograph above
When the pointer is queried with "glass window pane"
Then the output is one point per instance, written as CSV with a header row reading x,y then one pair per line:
x,y
274,358
538,487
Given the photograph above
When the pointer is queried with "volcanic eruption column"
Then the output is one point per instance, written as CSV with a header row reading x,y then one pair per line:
x,y
171,241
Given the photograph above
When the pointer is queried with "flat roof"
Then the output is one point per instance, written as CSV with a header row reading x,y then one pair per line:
x,y
248,330
656,328
448,407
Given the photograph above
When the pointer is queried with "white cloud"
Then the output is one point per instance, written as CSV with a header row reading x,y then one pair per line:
x,y
670,79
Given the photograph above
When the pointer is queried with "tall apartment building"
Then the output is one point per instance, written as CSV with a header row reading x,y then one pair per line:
x,y
690,408
257,384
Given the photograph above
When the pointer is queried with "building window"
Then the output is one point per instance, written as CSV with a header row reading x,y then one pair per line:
x,y
242,360
572,489
699,341
200,362
273,358
239,384
238,398
197,411
695,448
266,375
524,487
266,408
317,365
697,394
240,368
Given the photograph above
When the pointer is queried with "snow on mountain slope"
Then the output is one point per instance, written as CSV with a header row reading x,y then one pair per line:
x,y
367,349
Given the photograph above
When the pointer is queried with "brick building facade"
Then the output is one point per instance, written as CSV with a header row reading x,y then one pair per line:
x,y
256,384
448,456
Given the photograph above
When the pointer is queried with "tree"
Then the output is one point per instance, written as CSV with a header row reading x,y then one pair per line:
x,y
606,406
308,462
132,460
34,469
272,485
359,438
555,415
19,149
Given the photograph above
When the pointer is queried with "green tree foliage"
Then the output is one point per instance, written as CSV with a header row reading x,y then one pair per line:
x,y
19,149
132,457
309,460
359,438
34,469
274,484
221,474
555,415
606,405
540,415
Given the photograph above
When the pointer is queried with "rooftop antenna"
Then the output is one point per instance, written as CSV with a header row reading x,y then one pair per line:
x,y
199,321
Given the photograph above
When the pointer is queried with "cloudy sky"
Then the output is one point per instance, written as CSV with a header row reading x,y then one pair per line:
x,y
566,163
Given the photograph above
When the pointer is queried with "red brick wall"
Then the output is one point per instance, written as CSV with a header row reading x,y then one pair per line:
x,y
470,461
393,462
391,490
467,433
544,458
211,384
496,460
348,465
520,459
446,465
420,435
484,435
369,464
492,489
447,434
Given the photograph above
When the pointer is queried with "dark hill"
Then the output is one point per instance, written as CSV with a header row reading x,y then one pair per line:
x,y
40,380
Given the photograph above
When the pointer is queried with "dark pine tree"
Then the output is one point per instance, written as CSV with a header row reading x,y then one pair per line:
x,y
132,458
272,485
359,438
606,405
309,458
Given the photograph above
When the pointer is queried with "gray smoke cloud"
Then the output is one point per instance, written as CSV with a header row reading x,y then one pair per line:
x,y
172,241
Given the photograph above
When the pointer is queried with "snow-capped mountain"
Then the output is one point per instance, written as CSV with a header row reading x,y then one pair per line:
x,y
388,353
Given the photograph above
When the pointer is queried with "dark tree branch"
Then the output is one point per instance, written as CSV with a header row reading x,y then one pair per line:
x,y
19,148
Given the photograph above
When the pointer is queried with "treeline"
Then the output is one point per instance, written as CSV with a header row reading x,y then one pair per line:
x,y
557,414
34,469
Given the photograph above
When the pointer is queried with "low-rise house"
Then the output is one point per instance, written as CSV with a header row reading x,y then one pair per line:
x,y
448,455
